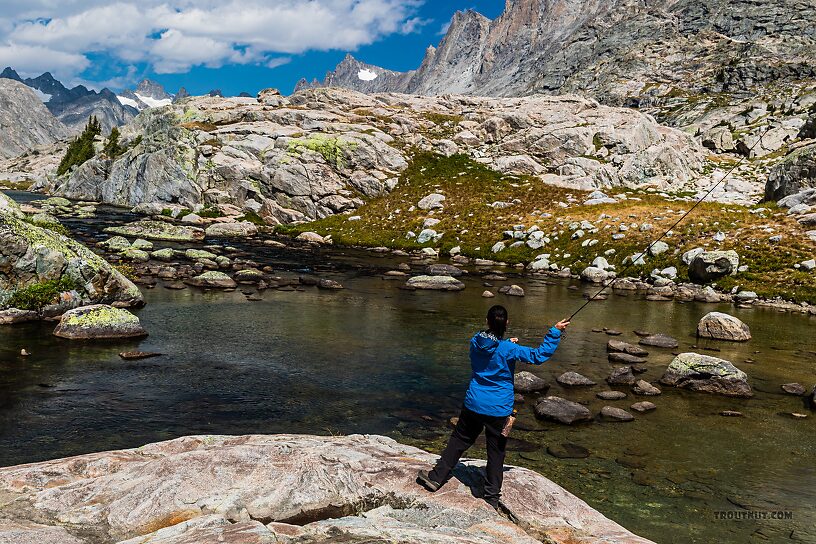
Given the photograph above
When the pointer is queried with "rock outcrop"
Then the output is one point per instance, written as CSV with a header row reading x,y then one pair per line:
x,y
324,151
793,175
283,488
25,121
722,326
709,374
48,274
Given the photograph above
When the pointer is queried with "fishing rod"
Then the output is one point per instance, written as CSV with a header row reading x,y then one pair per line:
x,y
667,231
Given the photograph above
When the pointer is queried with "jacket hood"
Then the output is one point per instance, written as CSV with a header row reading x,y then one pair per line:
x,y
485,341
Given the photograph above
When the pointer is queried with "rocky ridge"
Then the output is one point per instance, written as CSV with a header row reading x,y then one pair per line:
x,y
24,121
281,488
324,151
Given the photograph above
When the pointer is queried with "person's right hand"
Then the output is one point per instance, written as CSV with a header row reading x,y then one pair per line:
x,y
562,325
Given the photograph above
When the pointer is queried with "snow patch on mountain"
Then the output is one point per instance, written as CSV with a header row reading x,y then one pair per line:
x,y
128,101
154,102
45,97
367,75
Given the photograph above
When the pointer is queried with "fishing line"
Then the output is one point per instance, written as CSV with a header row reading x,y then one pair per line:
x,y
667,231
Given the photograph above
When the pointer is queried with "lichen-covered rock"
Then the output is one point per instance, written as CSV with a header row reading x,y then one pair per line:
x,y
709,374
709,266
436,283
212,489
212,280
562,410
99,321
722,326
158,230
231,230
195,254
38,263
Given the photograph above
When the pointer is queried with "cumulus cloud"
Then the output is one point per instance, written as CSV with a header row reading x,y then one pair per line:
x,y
174,35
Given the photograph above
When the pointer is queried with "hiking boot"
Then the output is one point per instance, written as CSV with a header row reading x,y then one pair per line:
x,y
424,479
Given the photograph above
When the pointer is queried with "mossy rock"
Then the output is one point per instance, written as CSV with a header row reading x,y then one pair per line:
x,y
195,254
138,255
141,243
165,254
158,230
99,321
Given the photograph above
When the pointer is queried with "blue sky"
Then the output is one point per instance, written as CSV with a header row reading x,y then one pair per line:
x,y
232,45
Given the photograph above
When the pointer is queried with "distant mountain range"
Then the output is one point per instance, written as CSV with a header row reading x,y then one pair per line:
x,y
73,107
611,49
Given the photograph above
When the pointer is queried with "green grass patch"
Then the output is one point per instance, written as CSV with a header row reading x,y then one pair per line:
x,y
469,222
38,295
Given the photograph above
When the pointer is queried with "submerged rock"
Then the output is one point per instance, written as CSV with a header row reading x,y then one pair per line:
x,y
794,389
99,321
209,489
574,379
625,347
611,395
616,414
660,341
709,374
562,410
723,327
618,357
643,406
621,376
438,283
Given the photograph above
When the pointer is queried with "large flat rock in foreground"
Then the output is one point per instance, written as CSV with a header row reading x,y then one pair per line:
x,y
281,488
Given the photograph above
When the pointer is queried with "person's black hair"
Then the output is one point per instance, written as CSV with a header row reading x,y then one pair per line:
x,y
497,320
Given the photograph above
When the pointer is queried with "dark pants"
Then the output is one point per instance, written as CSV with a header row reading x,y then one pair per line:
x,y
465,433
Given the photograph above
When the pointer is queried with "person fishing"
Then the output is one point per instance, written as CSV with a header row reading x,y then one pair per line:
x,y
489,401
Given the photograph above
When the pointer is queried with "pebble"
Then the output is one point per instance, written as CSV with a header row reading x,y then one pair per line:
x,y
794,389
132,355
613,332
487,294
24,353
731,413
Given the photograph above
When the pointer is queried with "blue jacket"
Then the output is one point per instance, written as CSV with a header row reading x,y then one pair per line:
x,y
493,361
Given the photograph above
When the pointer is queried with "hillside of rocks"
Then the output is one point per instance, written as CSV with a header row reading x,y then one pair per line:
x,y
282,488
24,121
325,151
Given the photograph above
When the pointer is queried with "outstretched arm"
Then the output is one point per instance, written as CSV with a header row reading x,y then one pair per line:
x,y
542,353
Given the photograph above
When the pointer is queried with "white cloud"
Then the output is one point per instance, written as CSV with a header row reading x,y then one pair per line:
x,y
278,61
174,35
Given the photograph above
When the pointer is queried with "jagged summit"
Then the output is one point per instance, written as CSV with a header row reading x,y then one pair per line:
x,y
598,47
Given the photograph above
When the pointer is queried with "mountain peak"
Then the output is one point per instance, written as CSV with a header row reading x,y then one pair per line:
x,y
10,73
152,89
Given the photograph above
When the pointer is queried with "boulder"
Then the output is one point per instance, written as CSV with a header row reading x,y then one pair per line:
x,y
660,341
136,255
311,237
709,374
527,382
624,347
616,414
166,254
625,358
642,387
305,489
594,274
158,230
443,270
621,376
241,229
722,326
792,175
325,283
435,283
116,243
212,280
574,379
709,266
97,322
432,201
512,290
562,410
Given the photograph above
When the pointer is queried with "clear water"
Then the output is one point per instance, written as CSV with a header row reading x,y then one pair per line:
x,y
376,359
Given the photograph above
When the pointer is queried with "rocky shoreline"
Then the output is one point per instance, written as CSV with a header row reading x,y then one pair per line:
x,y
282,488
